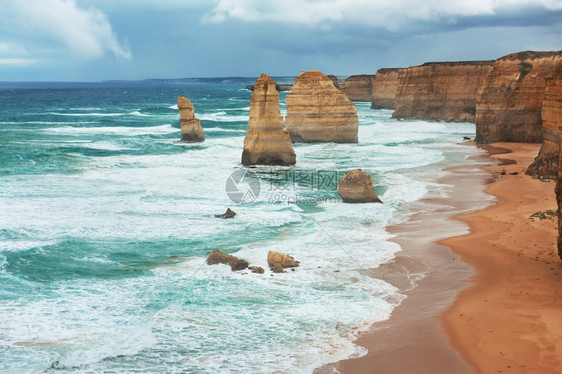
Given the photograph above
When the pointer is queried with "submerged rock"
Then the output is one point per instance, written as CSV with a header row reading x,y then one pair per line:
x,y
356,186
278,261
217,257
267,142
228,214
191,130
256,269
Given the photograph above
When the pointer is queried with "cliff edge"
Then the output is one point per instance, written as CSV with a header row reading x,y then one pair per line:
x,y
509,105
440,91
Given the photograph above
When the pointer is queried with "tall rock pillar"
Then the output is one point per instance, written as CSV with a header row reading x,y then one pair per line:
x,y
191,130
267,142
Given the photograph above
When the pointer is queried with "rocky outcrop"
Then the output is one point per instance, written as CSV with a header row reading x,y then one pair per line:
x,y
359,87
440,91
279,261
356,186
385,87
217,257
267,142
191,130
510,103
318,112
546,163
228,214
256,269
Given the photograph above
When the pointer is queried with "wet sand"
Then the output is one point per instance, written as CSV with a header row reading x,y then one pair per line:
x,y
450,321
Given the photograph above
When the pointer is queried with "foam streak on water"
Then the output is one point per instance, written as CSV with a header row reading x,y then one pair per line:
x,y
105,221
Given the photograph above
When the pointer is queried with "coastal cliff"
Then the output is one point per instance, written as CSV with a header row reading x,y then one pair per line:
x,y
558,191
385,87
546,163
440,91
319,112
267,142
359,87
509,105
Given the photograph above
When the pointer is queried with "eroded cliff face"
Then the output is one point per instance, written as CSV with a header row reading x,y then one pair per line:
x,y
546,163
509,105
191,130
440,91
558,191
267,142
318,112
359,87
385,87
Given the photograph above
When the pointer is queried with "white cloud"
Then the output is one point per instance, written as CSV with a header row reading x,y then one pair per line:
x,y
385,14
85,32
17,61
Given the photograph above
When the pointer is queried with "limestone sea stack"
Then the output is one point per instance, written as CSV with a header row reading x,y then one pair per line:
x,y
356,186
267,142
385,86
191,130
441,91
546,163
509,105
318,112
359,87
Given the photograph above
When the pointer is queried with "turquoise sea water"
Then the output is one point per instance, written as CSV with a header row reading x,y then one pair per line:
x,y
105,221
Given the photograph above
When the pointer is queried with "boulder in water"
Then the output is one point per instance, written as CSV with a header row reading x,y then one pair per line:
x,y
356,186
217,257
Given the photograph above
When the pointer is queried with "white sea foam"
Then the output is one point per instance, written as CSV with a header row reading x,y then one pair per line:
x,y
138,114
88,114
220,129
22,245
222,116
45,123
105,145
116,130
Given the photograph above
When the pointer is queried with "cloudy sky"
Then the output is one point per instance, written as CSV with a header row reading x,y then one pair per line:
x,y
93,40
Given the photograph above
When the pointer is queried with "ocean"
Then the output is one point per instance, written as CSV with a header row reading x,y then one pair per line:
x,y
105,221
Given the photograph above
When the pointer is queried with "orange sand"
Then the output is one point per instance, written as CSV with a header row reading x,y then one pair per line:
x,y
511,320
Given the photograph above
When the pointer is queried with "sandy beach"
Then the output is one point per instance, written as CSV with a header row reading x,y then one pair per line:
x,y
490,301
511,320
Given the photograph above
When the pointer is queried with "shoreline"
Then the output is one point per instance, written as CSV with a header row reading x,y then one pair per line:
x,y
511,320
413,340
445,323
